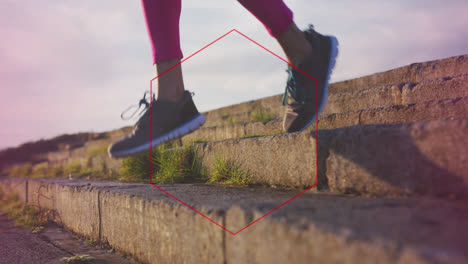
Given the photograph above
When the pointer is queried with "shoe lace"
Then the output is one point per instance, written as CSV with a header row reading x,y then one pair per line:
x,y
293,88
143,102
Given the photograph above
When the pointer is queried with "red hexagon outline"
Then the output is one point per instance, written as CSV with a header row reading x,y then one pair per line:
x,y
316,135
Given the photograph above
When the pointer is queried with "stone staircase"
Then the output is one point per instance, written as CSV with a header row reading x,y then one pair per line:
x,y
391,159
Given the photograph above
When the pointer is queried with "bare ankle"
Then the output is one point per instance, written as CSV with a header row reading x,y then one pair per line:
x,y
170,80
294,44
175,96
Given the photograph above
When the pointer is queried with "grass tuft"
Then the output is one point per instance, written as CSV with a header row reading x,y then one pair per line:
x,y
233,121
168,165
229,172
23,170
137,168
224,116
252,136
72,168
261,116
24,215
77,259
182,165
96,150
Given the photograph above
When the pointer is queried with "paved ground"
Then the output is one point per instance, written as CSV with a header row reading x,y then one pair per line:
x,y
20,245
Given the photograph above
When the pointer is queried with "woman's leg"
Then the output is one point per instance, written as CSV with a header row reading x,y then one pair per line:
x,y
278,20
310,51
162,21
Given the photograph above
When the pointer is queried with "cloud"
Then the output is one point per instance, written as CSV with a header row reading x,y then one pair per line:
x,y
70,66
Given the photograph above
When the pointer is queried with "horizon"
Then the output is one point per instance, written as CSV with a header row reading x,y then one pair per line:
x,y
94,59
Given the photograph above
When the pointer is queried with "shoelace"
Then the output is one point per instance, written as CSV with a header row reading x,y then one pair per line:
x,y
293,88
143,101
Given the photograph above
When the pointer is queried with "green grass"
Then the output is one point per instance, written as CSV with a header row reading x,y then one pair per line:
x,y
199,141
252,136
261,116
49,170
224,116
22,170
75,169
72,168
24,215
233,121
40,171
229,172
137,168
77,259
96,150
168,166
182,166
57,171
9,201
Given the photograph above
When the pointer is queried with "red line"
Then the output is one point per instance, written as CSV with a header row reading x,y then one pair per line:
x,y
274,54
151,133
211,43
192,209
316,133
297,195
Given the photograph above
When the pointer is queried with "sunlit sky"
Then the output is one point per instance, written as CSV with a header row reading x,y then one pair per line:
x,y
73,66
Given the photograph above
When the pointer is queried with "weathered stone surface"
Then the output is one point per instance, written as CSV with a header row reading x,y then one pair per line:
x,y
241,112
41,193
446,109
159,230
422,158
400,94
77,207
333,229
415,72
219,133
153,227
443,88
428,158
288,160
18,186
405,76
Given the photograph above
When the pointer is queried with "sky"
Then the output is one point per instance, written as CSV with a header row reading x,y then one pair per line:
x,y
74,66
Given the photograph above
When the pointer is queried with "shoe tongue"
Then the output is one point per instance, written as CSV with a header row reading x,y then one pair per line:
x,y
294,105
291,101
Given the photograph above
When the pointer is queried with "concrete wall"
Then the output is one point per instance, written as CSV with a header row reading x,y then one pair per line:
x,y
154,228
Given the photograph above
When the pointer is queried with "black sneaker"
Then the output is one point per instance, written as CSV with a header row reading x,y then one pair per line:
x,y
169,120
301,90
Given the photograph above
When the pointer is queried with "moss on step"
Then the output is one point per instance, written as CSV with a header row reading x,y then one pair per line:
x,y
261,116
252,136
78,259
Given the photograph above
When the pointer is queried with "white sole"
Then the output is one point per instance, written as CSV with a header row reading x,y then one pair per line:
x,y
179,131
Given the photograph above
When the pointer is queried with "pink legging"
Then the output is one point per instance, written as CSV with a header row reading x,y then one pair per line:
x,y
162,21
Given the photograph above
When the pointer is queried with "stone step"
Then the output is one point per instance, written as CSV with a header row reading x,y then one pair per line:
x,y
416,72
147,224
447,109
407,75
401,94
426,158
